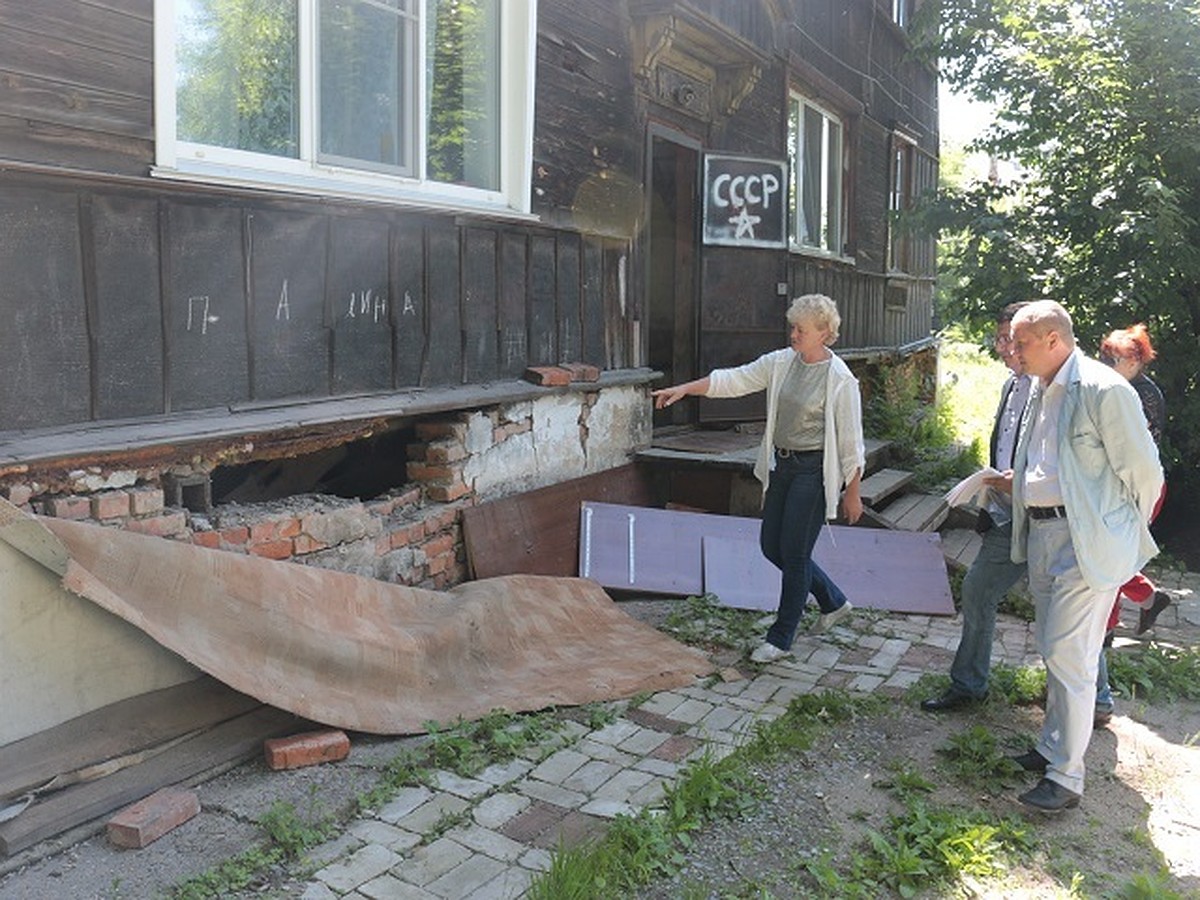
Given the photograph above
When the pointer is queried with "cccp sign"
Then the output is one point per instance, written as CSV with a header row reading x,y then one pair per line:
x,y
745,201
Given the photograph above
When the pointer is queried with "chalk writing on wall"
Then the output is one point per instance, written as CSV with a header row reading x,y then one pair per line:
x,y
744,201
368,304
198,315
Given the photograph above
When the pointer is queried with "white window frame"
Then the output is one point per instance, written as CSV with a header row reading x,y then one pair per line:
x,y
836,172
901,195
183,160
901,12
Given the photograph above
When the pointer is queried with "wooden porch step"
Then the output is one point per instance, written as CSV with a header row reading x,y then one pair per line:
x,y
881,485
960,546
878,453
916,512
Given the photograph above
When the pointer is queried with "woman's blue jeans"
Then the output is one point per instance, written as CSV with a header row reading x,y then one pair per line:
x,y
793,513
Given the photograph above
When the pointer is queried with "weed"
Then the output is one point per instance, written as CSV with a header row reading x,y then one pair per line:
x,y
906,783
597,715
1156,672
702,620
974,757
1148,887
1018,685
291,833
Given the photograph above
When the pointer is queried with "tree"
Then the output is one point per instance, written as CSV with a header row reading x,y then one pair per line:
x,y
1098,105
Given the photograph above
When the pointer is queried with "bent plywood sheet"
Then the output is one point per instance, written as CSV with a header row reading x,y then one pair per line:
x,y
362,654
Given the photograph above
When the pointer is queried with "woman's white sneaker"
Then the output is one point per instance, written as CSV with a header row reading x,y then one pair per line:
x,y
767,652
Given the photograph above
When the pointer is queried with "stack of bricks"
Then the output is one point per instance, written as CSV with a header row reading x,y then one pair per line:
x,y
138,508
437,461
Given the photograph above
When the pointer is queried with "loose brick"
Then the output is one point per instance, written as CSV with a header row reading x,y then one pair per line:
x,y
547,376
110,505
272,549
70,507
433,431
19,494
145,501
307,749
582,371
150,818
209,539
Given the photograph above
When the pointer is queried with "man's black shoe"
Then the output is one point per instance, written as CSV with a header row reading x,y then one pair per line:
x,y
1101,718
1031,761
950,700
1050,796
1147,617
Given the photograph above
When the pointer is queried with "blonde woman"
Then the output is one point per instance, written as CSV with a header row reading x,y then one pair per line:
x,y
812,448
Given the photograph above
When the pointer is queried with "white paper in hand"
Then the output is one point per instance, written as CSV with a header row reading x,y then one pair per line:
x,y
971,490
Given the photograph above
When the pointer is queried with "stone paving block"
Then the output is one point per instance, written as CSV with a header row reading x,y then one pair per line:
x,y
606,752
865,683
676,748
649,795
614,732
622,785
609,809
508,885
389,887
326,853
550,793
405,801
432,861
644,740
316,890
903,679
488,842
430,814
571,830
373,831
466,878
660,767
665,724
500,774
526,826
559,766
663,703
494,811
825,658
467,788
358,868
692,711
536,860
724,718
590,776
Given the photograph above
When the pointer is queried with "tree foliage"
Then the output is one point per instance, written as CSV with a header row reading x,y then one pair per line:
x,y
1098,107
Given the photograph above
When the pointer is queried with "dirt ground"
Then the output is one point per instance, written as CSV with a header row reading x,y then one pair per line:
x,y
1140,812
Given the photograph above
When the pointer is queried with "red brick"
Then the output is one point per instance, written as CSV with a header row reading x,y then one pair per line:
x,y
402,537
70,507
289,528
210,539
445,453
383,544
438,564
675,748
582,371
444,473
307,749
272,549
236,536
19,494
548,376
438,545
447,493
433,431
110,505
304,543
159,526
145,501
264,532
151,817
411,497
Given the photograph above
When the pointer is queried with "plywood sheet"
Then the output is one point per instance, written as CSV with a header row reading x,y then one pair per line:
x,y
676,552
366,655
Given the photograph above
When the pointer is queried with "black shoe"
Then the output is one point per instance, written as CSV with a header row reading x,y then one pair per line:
x,y
1031,761
1147,617
1050,796
950,700
1101,718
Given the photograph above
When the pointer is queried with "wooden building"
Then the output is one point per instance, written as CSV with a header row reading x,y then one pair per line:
x,y
243,233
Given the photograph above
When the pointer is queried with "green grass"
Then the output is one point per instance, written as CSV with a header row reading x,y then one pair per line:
x,y
703,621
1155,672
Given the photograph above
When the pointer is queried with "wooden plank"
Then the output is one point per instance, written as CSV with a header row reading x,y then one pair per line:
x,y
479,305
927,514
537,533
960,547
881,485
543,332
358,305
878,453
228,742
593,304
116,730
443,361
409,316
569,317
514,341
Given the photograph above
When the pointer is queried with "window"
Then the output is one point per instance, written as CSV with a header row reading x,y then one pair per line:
x,y
900,199
815,155
423,99
900,12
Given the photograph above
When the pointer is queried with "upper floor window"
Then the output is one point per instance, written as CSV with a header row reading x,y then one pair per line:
x,y
816,138
422,99
901,194
901,12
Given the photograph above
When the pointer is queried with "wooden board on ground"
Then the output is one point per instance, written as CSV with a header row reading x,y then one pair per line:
x,y
677,552
881,485
231,741
916,512
537,532
960,547
117,730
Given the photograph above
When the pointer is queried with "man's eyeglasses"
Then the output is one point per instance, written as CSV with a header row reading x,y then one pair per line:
x,y
1004,341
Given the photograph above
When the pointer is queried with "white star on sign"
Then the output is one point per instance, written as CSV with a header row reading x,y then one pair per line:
x,y
745,224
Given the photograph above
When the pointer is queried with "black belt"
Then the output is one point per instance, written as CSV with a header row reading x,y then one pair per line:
x,y
785,452
1047,512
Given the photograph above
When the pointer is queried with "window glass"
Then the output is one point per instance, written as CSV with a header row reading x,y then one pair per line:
x,y
366,82
236,77
464,99
815,157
